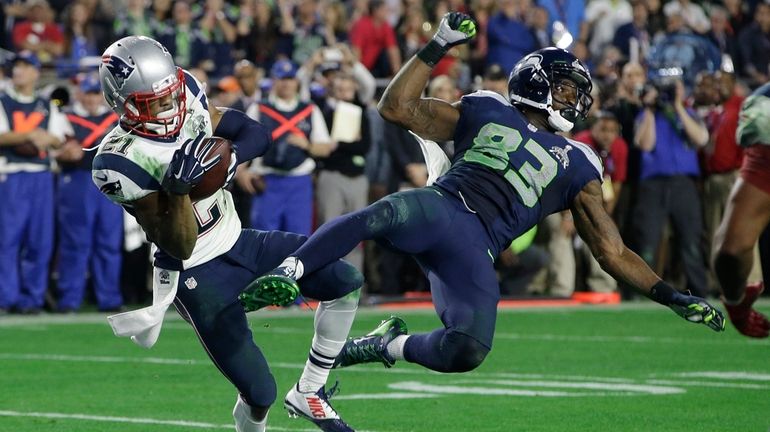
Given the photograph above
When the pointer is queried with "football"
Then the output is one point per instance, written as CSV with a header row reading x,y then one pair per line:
x,y
214,179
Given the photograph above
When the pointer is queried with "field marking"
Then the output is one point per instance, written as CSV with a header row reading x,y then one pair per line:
x,y
417,386
630,388
415,371
147,421
380,396
727,375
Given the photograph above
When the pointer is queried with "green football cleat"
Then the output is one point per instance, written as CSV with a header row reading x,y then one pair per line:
x,y
269,290
373,347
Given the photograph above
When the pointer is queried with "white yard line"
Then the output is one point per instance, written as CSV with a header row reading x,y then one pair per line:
x,y
146,421
679,379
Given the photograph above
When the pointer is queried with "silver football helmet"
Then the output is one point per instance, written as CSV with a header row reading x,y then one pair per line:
x,y
143,85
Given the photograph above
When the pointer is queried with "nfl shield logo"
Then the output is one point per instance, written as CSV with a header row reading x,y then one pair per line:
x,y
191,283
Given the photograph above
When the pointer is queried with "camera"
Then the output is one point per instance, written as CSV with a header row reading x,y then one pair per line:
x,y
664,81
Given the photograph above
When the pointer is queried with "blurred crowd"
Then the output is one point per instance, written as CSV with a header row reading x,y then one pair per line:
x,y
669,79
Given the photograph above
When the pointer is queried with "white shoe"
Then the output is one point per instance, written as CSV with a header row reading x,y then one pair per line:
x,y
243,420
314,406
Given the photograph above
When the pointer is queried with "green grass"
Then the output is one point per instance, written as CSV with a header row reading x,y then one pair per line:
x,y
620,368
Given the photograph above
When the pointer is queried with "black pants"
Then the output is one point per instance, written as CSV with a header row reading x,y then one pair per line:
x,y
674,198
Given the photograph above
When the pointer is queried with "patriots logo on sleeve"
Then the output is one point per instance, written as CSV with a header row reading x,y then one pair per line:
x,y
118,68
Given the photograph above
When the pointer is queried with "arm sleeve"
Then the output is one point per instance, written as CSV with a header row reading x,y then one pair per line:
x,y
250,138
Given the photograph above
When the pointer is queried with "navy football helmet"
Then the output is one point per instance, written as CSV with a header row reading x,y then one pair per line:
x,y
534,78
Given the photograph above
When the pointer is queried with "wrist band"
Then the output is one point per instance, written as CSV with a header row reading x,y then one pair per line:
x,y
431,53
663,293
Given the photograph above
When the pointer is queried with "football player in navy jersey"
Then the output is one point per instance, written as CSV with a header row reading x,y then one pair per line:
x,y
509,171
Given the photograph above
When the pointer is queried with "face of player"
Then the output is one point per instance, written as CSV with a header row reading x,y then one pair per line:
x,y
564,93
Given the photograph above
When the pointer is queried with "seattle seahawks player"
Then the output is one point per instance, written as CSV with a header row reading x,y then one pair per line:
x,y
148,164
508,172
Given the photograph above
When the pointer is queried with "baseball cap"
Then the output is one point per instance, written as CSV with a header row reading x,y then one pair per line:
x,y
90,84
283,69
27,57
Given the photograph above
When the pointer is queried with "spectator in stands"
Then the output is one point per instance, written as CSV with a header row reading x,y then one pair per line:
x,y
299,133
258,34
179,36
81,37
411,34
537,21
481,11
509,38
89,225
39,33
341,185
216,35
29,127
571,13
656,19
336,25
603,17
518,265
302,32
754,43
692,14
161,15
633,39
627,101
374,41
496,80
722,157
248,77
604,137
722,34
133,20
737,13
668,134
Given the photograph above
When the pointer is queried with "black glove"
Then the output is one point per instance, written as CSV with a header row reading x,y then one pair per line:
x,y
187,165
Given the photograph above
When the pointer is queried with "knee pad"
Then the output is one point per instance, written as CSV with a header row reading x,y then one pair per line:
x,y
461,352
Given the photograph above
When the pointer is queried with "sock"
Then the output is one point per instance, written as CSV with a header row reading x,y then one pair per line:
x,y
332,325
293,267
396,347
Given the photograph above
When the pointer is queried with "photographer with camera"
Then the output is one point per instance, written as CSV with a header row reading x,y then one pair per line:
x,y
668,135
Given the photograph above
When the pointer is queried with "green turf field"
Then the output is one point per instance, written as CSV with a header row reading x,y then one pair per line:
x,y
635,367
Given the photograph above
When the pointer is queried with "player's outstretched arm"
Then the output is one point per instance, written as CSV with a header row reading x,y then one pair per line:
x,y
601,235
402,102
249,138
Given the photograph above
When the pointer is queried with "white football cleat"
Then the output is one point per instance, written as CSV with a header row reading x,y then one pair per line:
x,y
314,406
243,420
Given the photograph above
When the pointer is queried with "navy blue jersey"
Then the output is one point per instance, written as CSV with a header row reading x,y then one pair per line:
x,y
511,173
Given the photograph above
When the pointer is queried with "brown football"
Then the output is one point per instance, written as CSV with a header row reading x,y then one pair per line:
x,y
214,179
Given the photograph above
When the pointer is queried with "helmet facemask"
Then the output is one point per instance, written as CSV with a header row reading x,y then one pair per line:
x,y
160,112
541,85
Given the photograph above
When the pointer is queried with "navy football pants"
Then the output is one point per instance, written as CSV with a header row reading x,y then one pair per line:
x,y
454,250
207,297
